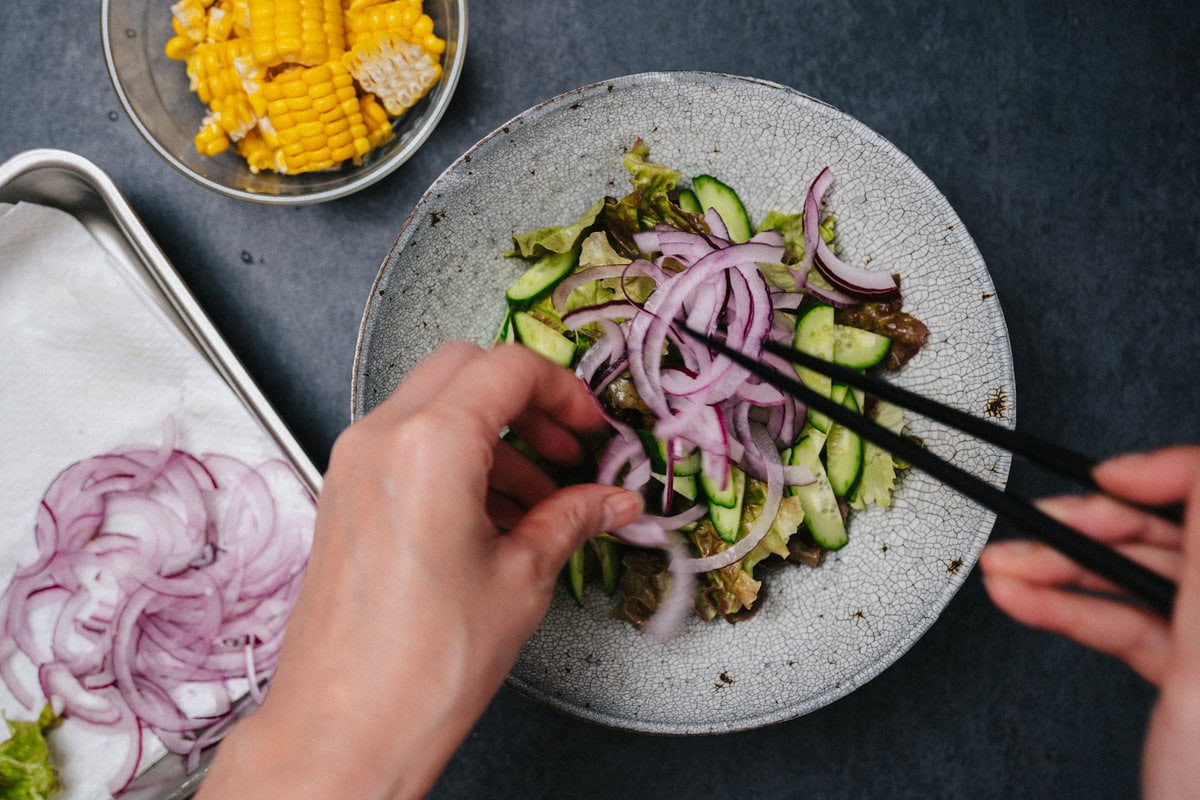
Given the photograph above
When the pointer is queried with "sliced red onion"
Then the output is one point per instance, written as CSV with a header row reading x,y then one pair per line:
x,y
677,604
851,279
159,569
827,294
720,232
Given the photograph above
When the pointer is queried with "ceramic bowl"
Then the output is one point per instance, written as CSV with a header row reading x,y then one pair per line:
x,y
822,632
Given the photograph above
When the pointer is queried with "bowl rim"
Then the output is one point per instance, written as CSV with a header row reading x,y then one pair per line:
x,y
434,114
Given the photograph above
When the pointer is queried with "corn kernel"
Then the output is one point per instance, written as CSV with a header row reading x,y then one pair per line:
x,y
422,27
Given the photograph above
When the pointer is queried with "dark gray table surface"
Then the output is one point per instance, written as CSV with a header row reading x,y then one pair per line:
x,y
1066,137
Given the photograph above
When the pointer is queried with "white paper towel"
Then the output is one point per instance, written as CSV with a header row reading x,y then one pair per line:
x,y
89,363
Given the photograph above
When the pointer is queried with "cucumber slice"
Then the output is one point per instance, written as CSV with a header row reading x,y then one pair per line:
x,y
814,335
684,486
506,335
838,392
689,202
854,347
541,338
844,454
574,573
608,554
821,511
715,195
720,490
657,450
727,520
541,277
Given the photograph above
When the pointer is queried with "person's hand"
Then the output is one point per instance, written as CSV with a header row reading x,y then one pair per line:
x,y
1038,586
436,550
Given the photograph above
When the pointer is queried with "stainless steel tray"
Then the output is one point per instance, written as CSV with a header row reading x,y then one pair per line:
x,y
73,184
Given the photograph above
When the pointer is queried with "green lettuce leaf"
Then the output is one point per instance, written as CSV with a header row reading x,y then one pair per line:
x,y
597,252
26,769
879,468
792,228
727,591
777,275
555,239
653,180
786,524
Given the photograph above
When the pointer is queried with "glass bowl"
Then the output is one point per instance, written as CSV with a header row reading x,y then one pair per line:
x,y
154,92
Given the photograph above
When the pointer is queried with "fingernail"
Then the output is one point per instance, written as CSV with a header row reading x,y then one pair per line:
x,y
1057,507
621,508
1122,462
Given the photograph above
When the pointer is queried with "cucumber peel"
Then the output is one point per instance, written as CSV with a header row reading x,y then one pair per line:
x,y
714,194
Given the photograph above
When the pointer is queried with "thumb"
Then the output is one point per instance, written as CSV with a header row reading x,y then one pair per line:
x,y
558,525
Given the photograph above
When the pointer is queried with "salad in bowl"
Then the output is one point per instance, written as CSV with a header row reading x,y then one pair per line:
x,y
738,476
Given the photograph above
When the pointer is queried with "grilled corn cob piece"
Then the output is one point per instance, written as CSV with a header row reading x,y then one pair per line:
x,y
314,117
397,72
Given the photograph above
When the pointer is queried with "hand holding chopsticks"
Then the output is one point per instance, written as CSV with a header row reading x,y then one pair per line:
x,y
1149,587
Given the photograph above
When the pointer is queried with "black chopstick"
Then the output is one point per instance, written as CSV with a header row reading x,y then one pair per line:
x,y
1149,587
1038,451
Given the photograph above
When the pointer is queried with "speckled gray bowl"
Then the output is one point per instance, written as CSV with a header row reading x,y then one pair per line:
x,y
821,632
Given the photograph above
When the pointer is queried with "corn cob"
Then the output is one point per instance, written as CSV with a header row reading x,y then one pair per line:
x,y
310,114
402,17
220,73
259,153
395,71
314,117
307,32
375,117
190,19
211,139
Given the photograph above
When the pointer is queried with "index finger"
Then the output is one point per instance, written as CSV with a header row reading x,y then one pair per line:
x,y
508,381
425,381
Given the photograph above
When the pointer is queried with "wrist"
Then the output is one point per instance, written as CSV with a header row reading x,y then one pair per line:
x,y
259,760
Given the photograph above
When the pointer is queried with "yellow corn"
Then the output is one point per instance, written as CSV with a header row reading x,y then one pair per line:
x,y
307,32
178,48
220,73
391,17
258,152
355,5
375,117
190,22
211,138
190,19
402,17
307,109
395,71
220,21
241,18
301,85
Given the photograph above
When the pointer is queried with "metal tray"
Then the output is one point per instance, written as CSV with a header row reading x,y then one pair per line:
x,y
73,184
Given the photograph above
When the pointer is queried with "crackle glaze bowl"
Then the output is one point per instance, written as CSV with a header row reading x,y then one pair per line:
x,y
820,633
